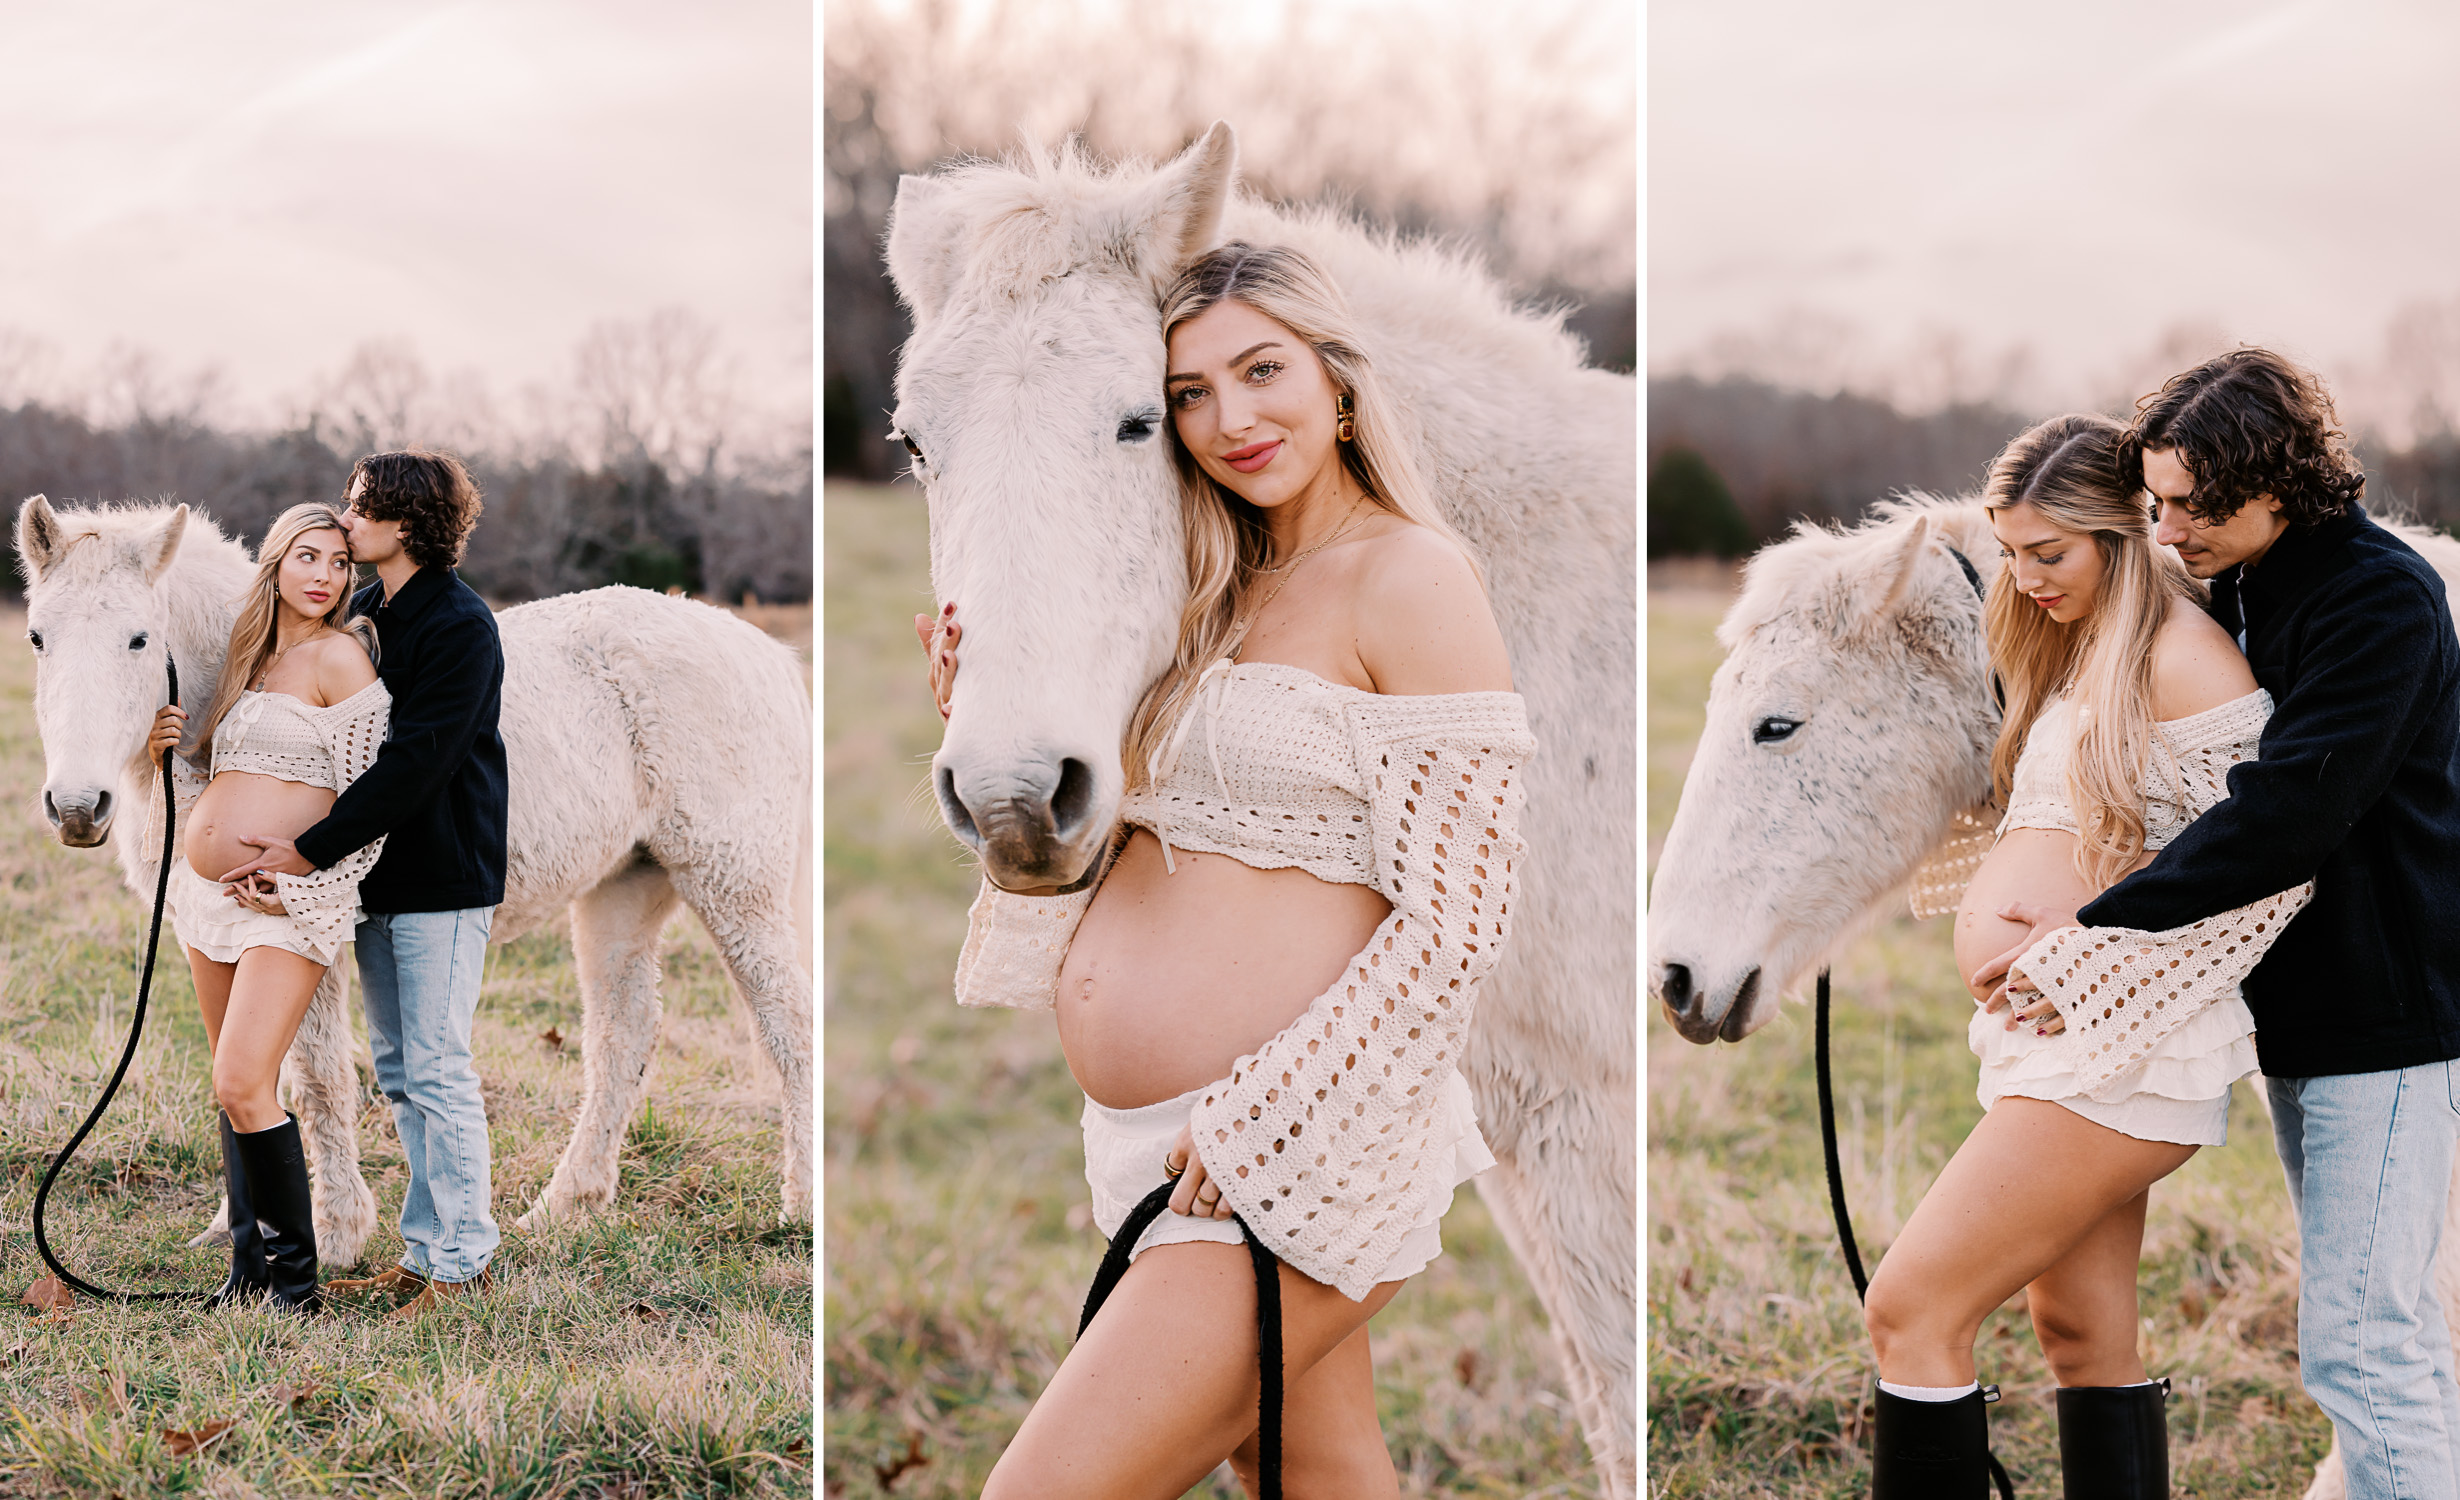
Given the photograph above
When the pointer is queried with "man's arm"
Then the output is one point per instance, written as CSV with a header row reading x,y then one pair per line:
x,y
2368,679
435,721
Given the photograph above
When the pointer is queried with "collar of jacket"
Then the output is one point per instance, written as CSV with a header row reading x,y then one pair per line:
x,y
427,584
2302,557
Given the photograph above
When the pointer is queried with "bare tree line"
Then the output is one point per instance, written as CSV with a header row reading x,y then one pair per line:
x,y
1511,128
648,470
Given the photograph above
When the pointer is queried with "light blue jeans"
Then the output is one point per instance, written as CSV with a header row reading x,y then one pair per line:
x,y
2369,1159
419,977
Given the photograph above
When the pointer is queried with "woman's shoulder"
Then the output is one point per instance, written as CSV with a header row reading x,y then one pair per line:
x,y
2196,666
1423,623
342,666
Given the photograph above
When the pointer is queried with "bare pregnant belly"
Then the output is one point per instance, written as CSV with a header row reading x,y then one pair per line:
x,y
2033,865
1171,978
242,802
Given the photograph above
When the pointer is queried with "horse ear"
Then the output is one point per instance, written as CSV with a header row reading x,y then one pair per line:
x,y
922,245
1908,557
1180,214
158,549
38,539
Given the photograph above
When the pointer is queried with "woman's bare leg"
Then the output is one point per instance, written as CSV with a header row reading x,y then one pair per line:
x,y
1163,1386
269,992
2031,1183
1331,1442
2084,1307
213,993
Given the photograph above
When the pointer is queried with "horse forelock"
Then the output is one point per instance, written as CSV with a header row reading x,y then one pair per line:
x,y
1831,579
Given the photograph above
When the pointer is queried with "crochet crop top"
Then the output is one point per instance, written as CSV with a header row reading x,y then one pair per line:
x,y
275,734
1323,1138
2122,990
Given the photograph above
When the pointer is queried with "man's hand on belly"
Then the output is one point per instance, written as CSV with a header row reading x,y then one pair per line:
x,y
2040,920
281,857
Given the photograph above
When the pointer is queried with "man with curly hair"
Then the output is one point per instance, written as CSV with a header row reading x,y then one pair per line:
x,y
436,795
2356,786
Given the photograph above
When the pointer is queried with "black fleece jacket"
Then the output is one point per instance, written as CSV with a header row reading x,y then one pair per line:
x,y
2356,786
438,789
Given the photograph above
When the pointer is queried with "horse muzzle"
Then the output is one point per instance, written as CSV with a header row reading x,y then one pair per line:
x,y
1032,821
1703,1014
82,819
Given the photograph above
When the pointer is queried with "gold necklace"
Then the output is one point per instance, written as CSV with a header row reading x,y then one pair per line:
x,y
264,674
1288,568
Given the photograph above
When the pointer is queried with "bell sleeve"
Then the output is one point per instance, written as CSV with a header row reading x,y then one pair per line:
x,y
1321,1139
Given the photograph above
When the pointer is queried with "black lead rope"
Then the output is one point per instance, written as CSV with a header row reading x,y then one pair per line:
x,y
128,1054
1268,1324
1836,1179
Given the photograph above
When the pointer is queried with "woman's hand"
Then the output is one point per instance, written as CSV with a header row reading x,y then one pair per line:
x,y
2030,1007
169,724
258,893
1197,1195
939,640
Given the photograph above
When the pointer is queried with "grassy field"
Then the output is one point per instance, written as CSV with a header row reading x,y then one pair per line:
x,y
662,1349
1758,1368
958,1237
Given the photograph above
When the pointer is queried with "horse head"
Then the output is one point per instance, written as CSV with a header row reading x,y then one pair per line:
x,y
97,624
1850,721
1030,400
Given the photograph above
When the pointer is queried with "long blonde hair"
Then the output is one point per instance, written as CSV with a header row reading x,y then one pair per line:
x,y
1226,541
252,634
2071,470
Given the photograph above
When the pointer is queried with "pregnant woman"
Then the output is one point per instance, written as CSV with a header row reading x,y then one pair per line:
x,y
1266,995
2126,706
298,714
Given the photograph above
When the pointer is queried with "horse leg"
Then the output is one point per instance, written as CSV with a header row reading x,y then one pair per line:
x,y
754,926
1563,1200
320,1078
615,939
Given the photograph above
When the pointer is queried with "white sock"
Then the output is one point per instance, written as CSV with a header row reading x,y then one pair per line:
x,y
1931,1392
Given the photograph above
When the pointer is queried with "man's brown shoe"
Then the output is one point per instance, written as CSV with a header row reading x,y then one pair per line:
x,y
436,1294
393,1281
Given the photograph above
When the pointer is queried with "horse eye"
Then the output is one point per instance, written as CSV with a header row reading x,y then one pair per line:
x,y
1773,729
1138,426
36,637
137,642
912,448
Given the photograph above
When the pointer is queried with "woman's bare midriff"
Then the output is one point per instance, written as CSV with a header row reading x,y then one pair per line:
x,y
245,803
1171,978
2036,866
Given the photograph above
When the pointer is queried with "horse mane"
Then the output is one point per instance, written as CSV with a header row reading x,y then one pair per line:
x,y
1830,572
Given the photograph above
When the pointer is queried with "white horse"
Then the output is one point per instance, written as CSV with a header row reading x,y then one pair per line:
x,y
1031,398
1850,722
659,750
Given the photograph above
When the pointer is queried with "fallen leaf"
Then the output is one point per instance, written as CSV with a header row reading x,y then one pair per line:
x,y
913,1458
291,1394
115,1390
646,1313
553,1038
1465,1365
47,1295
14,1353
183,1442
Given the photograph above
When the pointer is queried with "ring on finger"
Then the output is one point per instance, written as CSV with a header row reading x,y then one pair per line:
x,y
1171,1172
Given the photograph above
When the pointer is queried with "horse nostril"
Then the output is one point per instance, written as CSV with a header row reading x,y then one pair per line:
x,y
1072,799
51,809
1676,990
953,808
102,808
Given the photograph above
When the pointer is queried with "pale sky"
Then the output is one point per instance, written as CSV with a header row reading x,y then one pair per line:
x,y
2071,179
263,186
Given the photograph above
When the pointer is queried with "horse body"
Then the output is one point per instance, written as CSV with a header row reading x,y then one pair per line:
x,y
1031,392
659,752
1785,845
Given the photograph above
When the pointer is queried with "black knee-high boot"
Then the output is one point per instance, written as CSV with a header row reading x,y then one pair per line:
x,y
1932,1450
248,1278
278,1181
2114,1441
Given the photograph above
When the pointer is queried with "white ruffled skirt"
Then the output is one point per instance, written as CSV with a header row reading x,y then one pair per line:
x,y
218,927
1124,1149
2180,1094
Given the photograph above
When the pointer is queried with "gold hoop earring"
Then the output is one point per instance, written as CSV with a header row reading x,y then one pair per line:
x,y
1347,429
